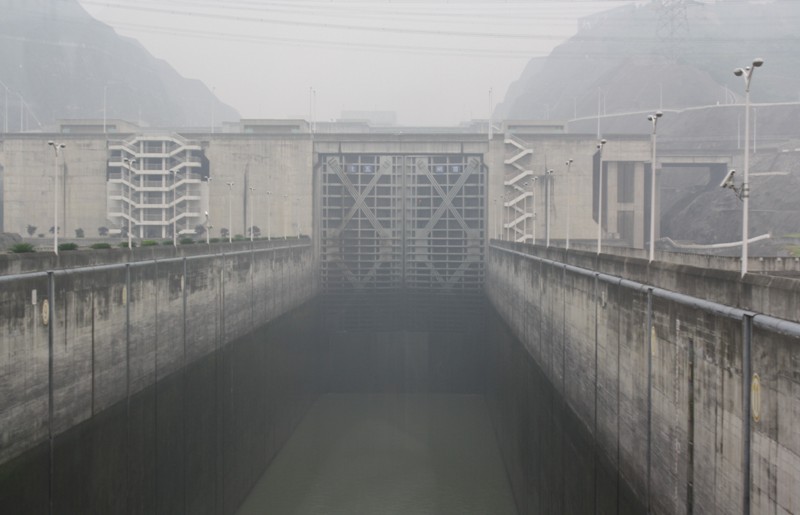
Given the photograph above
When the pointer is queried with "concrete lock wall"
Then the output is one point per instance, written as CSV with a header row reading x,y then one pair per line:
x,y
76,341
677,434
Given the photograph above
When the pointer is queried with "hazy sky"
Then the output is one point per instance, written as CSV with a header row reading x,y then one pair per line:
x,y
432,62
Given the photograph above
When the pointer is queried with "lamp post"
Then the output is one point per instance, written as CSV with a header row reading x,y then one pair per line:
x,y
548,177
208,228
129,162
252,189
57,147
494,211
533,210
653,118
569,201
174,208
600,198
269,231
525,212
747,75
297,215
230,217
285,216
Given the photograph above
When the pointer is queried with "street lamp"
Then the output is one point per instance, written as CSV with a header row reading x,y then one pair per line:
x,y
285,216
252,189
653,118
269,231
230,218
57,148
129,162
548,177
747,75
600,197
174,208
569,201
524,212
208,228
533,209
297,215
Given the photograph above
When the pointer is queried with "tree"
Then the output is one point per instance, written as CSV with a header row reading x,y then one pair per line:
x,y
199,229
223,232
256,231
79,232
31,229
52,229
102,231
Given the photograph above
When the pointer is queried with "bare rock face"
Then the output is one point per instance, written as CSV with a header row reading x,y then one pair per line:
x,y
62,61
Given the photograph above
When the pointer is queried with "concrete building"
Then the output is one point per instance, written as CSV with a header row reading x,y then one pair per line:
x,y
266,170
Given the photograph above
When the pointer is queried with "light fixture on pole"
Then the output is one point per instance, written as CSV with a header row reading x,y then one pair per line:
x,y
285,216
569,200
533,210
230,217
548,177
208,228
174,208
297,215
494,211
524,212
747,75
57,147
129,162
600,197
269,229
653,118
252,225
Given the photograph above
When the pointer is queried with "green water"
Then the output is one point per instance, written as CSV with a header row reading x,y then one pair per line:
x,y
387,454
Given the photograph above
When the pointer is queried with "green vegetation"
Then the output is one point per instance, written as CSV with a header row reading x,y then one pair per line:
x,y
166,242
67,246
214,240
79,233
20,248
238,237
792,235
149,243
186,241
794,250
124,244
97,246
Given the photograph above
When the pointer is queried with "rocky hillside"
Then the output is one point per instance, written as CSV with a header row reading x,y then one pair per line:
x,y
643,57
60,60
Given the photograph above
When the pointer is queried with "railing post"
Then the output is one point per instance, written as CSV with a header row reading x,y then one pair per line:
x,y
747,372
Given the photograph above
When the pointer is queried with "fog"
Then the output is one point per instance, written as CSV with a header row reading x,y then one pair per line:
x,y
432,63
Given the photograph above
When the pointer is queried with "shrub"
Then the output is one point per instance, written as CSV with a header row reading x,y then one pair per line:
x,y
166,242
124,244
213,240
31,229
102,231
67,246
97,246
20,248
79,233
186,241
149,243
238,237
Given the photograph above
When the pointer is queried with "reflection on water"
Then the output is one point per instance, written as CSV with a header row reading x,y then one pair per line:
x,y
388,454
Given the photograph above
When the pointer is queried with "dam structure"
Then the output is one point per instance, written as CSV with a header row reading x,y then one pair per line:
x,y
410,332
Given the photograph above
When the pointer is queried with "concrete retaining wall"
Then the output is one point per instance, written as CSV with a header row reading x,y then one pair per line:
x,y
115,329
676,435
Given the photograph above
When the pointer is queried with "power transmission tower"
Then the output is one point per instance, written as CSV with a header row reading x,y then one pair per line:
x,y
673,26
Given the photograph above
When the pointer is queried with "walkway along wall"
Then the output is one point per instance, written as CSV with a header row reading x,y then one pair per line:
x,y
656,376
77,343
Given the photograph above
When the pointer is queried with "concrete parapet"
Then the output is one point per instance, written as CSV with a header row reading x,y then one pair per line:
x,y
78,339
684,377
